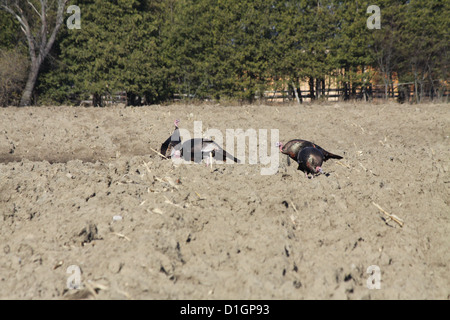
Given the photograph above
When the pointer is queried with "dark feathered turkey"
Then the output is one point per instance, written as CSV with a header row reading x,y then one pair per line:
x,y
310,160
171,142
293,147
198,149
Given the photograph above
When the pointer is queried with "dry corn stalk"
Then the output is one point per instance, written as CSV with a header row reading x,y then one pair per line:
x,y
390,216
157,152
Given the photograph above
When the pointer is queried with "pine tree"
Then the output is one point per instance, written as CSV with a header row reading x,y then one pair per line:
x,y
351,45
10,35
423,48
118,48
219,48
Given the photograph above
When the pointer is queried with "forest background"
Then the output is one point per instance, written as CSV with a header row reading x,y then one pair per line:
x,y
153,51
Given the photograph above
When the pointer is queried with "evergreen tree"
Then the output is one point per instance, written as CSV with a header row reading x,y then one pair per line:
x,y
351,45
10,35
117,49
216,49
219,48
423,48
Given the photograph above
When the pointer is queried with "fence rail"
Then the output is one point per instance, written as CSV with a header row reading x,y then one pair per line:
x,y
403,92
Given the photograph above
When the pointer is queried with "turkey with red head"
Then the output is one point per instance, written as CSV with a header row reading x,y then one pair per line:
x,y
293,147
310,160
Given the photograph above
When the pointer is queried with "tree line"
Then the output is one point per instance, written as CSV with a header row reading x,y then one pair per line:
x,y
153,50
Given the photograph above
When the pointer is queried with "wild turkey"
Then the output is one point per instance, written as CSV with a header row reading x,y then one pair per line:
x,y
310,160
172,141
293,147
198,149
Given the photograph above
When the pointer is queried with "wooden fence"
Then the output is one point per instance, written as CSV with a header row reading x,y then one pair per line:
x,y
403,92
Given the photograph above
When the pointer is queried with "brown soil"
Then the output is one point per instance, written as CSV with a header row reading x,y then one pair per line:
x,y
233,233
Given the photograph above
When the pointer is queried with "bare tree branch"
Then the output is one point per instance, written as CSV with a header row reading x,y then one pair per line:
x,y
34,8
59,22
43,27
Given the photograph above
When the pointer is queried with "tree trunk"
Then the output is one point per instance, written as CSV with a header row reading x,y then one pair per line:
x,y
295,92
131,99
416,96
364,93
318,89
385,89
346,91
96,100
299,93
415,91
328,88
391,84
401,91
345,84
31,81
353,95
421,91
311,88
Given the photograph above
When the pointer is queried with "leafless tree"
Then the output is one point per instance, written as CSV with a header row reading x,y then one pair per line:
x,y
36,18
